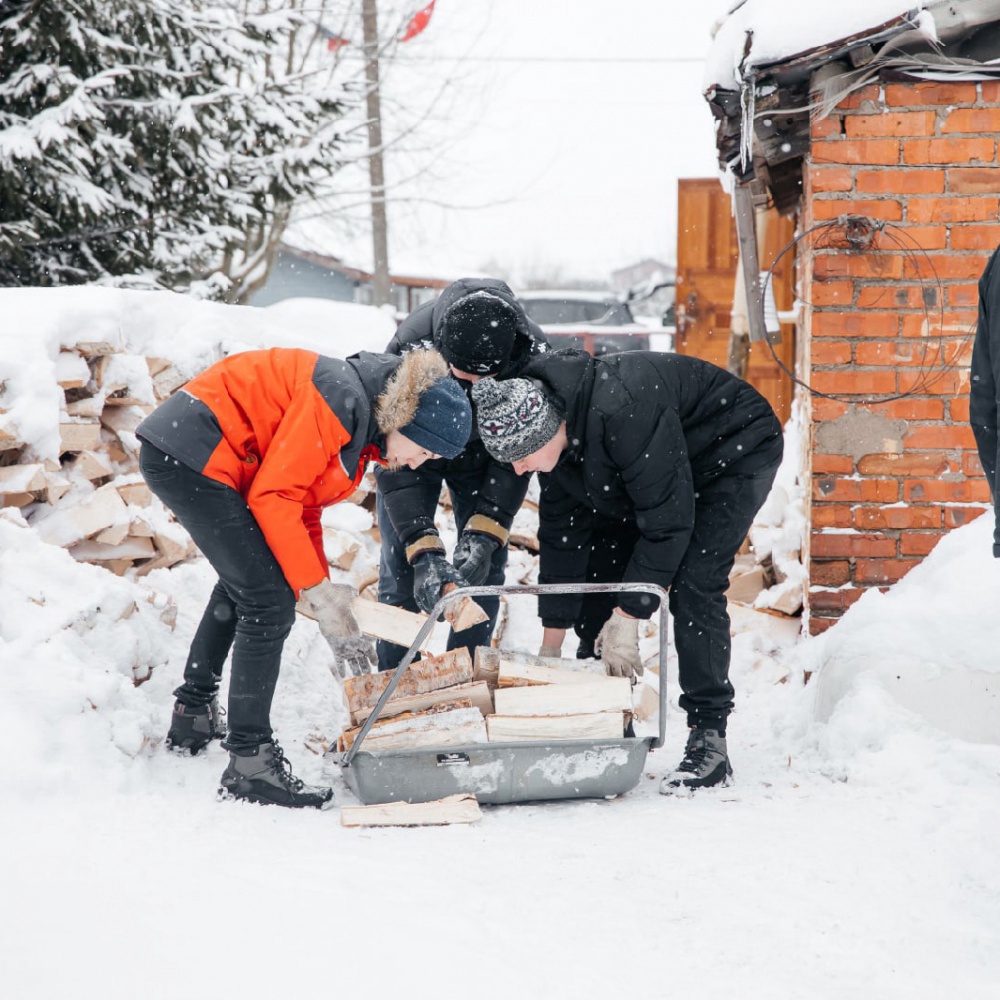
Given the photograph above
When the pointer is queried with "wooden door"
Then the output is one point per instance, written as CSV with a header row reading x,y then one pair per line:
x,y
707,258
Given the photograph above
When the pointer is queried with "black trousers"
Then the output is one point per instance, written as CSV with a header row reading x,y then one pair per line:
x,y
724,512
395,575
251,608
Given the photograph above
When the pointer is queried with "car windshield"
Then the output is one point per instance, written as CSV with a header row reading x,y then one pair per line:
x,y
596,313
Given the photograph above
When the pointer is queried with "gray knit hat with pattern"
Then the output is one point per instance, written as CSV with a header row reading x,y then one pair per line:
x,y
515,419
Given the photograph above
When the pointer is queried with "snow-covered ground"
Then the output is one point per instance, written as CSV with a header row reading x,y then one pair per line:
x,y
854,855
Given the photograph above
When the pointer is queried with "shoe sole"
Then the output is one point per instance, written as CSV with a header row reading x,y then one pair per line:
x,y
223,794
685,789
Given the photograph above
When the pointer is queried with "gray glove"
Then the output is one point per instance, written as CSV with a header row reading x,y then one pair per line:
x,y
352,655
330,604
618,646
553,652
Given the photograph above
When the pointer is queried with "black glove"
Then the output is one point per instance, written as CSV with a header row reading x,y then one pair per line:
x,y
474,556
431,571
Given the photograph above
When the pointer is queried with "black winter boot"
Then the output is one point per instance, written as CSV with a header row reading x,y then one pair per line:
x,y
193,727
705,763
266,777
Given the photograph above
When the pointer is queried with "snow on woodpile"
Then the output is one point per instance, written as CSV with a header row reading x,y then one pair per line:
x,y
82,367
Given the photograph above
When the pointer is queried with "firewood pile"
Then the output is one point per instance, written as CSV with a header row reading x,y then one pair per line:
x,y
452,699
92,500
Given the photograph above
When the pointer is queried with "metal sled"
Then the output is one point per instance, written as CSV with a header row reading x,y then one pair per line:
x,y
509,771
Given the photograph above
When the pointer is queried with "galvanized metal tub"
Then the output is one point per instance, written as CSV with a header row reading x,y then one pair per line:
x,y
507,772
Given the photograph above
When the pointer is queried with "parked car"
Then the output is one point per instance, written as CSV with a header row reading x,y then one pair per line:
x,y
597,322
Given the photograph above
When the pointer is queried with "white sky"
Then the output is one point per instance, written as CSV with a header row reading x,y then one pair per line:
x,y
572,122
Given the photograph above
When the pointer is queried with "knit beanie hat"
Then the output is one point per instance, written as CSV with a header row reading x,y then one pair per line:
x,y
515,419
476,334
442,422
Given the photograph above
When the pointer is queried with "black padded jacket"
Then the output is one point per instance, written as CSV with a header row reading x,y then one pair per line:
x,y
646,431
411,495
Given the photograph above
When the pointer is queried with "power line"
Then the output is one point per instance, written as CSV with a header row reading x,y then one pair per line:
x,y
589,60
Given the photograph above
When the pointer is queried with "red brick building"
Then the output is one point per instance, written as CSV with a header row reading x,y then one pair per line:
x,y
894,182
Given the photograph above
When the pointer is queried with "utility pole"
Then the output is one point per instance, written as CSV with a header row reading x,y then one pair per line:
x,y
376,171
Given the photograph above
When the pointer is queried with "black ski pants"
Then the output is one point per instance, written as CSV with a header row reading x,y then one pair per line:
x,y
724,512
251,609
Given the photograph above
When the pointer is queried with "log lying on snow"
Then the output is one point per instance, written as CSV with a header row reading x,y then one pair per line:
x,y
453,809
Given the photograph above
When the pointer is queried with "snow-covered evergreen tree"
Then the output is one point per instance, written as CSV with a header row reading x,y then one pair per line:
x,y
147,142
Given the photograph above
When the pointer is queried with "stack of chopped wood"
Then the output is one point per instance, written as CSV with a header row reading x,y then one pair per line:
x,y
448,700
92,500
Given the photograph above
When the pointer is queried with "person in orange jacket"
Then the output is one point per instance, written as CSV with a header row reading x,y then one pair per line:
x,y
246,455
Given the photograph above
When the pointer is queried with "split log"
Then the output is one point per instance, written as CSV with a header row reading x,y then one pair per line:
x,y
514,673
72,371
744,587
429,674
486,666
477,694
341,549
130,549
451,727
607,694
98,511
454,809
167,381
387,622
56,486
87,407
91,465
22,478
79,436
10,435
647,702
137,494
584,726
462,613
401,722
92,348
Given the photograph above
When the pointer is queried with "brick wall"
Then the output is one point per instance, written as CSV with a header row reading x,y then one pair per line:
x,y
889,480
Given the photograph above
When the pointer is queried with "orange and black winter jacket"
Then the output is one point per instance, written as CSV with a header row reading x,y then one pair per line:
x,y
291,430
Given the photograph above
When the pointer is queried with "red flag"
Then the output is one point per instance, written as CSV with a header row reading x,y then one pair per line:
x,y
418,22
334,42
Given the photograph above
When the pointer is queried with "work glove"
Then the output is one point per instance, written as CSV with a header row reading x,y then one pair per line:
x,y
554,652
330,604
474,556
618,645
431,571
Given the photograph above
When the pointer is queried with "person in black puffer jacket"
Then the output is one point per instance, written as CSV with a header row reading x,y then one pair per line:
x,y
679,454
983,385
482,331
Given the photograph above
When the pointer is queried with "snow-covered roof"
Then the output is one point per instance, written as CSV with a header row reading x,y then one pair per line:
x,y
759,32
763,69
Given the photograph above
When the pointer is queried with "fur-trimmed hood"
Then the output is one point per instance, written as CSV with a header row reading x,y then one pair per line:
x,y
415,374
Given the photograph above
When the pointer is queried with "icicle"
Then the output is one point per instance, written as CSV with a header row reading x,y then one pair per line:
x,y
747,95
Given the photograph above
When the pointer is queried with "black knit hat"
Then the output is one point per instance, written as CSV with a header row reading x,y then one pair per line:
x,y
515,419
476,334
